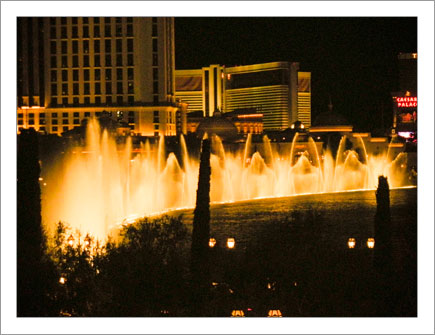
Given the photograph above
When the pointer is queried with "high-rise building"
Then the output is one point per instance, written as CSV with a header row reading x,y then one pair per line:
x,y
71,68
278,91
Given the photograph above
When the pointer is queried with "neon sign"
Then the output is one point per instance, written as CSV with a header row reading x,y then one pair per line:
x,y
406,102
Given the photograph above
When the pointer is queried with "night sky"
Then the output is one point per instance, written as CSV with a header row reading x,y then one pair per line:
x,y
354,60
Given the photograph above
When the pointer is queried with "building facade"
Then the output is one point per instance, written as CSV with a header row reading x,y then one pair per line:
x,y
278,91
72,68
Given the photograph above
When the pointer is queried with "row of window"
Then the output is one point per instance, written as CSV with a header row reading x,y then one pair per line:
x,y
97,63
97,74
87,20
85,32
87,100
85,44
54,115
87,88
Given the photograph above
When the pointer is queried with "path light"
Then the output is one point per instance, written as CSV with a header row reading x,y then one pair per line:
x,y
237,313
71,240
231,243
371,243
351,243
274,313
211,242
62,280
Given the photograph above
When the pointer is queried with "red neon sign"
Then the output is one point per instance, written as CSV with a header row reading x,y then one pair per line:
x,y
406,102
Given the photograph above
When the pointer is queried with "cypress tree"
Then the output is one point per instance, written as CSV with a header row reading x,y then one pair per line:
x,y
383,225
201,230
30,283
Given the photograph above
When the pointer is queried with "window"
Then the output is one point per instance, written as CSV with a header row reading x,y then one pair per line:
x,y
108,60
31,121
65,128
64,89
130,87
130,59
53,115
87,100
107,20
118,45
76,89
64,61
109,88
53,75
156,98
64,101
75,75
86,61
63,20
64,47
97,46
85,20
97,88
119,99
154,20
53,62
96,31
64,114
53,47
75,100
53,89
42,115
53,32
156,127
54,121
118,30
97,60
86,74
75,47
52,20
64,75
41,121
20,122
54,128
155,87
31,115
155,73
87,114
130,30
154,44
98,100
96,20
130,74
97,74
156,117
75,32
109,100
119,74
75,61
86,88
131,99
76,121
108,46
118,19
154,32
119,88
74,20
155,60
119,60
108,74
107,31
86,46
129,45
63,33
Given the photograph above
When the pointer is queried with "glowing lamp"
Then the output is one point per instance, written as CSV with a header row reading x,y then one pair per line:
x,y
211,242
302,126
237,313
274,313
87,242
371,243
62,280
351,243
70,240
40,179
231,243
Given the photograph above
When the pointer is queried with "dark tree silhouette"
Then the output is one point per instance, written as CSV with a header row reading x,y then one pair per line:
x,y
383,225
30,281
201,230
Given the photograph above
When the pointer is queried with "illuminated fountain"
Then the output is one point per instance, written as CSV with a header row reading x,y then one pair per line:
x,y
102,185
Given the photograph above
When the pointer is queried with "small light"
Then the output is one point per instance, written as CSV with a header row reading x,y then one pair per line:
x,y
295,283
41,179
302,126
292,126
274,313
371,243
71,240
231,242
351,243
212,242
45,184
62,280
237,313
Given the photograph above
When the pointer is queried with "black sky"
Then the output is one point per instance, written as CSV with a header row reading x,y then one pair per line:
x,y
352,59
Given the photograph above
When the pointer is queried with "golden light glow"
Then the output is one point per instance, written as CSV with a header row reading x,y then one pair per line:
x,y
274,313
212,242
71,241
360,134
320,129
237,313
231,243
249,116
62,280
41,179
351,243
395,145
378,139
371,243
302,126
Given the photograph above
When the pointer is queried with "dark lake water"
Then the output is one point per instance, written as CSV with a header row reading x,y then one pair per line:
x,y
344,215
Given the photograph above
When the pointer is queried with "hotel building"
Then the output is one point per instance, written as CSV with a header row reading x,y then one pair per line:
x,y
278,91
72,68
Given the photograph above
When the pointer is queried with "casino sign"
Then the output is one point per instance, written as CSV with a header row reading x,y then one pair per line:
x,y
406,102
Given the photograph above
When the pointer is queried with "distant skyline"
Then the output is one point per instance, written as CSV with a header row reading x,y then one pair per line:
x,y
352,59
